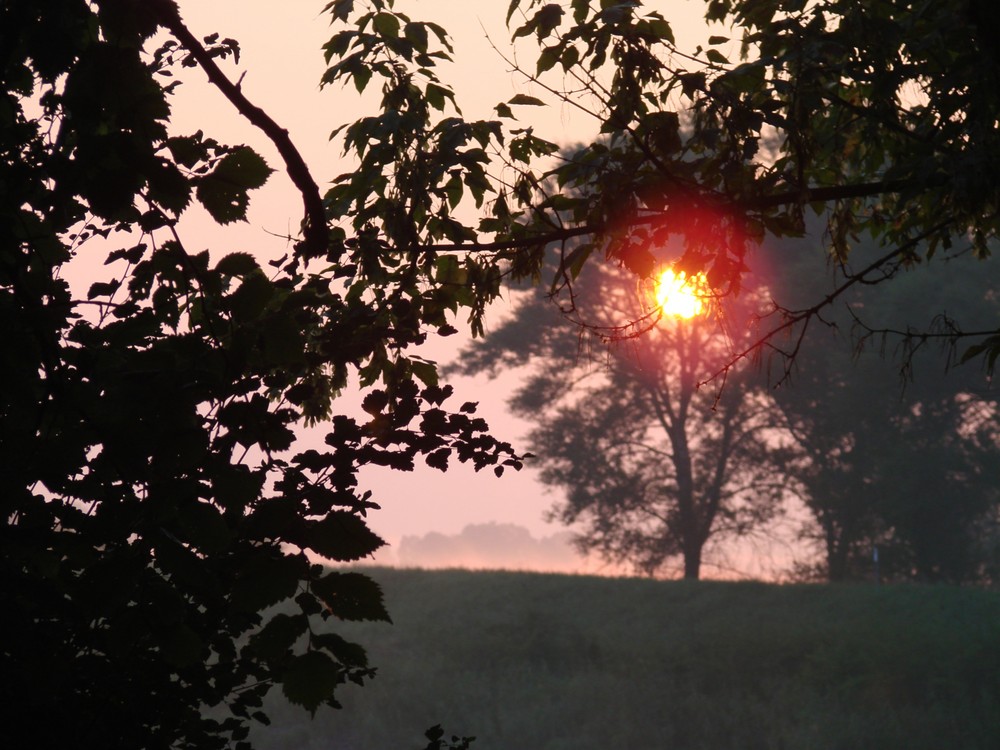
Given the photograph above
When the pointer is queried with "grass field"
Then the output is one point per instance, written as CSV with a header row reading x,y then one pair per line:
x,y
547,662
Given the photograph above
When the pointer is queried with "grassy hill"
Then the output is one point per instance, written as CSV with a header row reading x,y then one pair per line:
x,y
548,662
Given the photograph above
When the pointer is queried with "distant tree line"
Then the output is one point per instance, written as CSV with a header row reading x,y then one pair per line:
x,y
663,450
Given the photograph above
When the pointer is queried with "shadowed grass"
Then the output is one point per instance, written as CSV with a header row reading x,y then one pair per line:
x,y
547,662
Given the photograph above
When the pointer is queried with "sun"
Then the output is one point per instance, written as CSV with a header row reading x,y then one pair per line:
x,y
681,295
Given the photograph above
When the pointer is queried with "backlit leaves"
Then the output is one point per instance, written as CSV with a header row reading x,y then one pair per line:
x,y
153,506
351,596
224,192
310,680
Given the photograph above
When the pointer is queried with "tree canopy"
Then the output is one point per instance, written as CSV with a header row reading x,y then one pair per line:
x,y
881,116
154,503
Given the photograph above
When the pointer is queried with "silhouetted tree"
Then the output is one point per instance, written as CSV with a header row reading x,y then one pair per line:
x,y
653,463
910,465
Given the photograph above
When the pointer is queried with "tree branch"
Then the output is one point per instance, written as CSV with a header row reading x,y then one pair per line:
x,y
314,226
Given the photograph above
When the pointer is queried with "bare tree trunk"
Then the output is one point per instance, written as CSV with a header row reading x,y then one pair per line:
x,y
692,562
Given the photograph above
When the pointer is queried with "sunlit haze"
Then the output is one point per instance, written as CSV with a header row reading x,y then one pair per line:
x,y
680,295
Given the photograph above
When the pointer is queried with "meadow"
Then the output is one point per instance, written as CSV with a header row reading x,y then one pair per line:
x,y
552,662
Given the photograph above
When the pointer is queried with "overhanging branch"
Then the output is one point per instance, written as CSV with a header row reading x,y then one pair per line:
x,y
314,226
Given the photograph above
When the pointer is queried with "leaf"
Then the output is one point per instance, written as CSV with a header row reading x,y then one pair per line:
x,y
436,95
514,5
352,596
503,110
526,100
102,289
386,24
341,9
416,34
201,524
266,580
347,653
237,264
181,646
716,57
438,459
548,19
375,402
311,679
342,536
549,57
275,640
425,371
570,57
223,191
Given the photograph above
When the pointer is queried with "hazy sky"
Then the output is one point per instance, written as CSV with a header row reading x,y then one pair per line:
x,y
282,62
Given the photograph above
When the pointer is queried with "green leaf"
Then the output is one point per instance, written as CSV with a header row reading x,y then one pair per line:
x,y
514,5
352,596
311,679
237,264
341,9
436,95
526,100
548,58
361,76
416,34
202,525
716,57
224,191
570,57
266,579
251,297
386,24
342,536
347,653
243,167
275,640
503,110
425,371
181,646
548,19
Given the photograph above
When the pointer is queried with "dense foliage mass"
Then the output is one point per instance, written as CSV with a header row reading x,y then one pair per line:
x,y
153,506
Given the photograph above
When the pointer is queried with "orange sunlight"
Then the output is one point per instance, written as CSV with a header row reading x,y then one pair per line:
x,y
680,295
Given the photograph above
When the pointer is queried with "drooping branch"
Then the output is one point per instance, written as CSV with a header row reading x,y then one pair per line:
x,y
314,226
794,317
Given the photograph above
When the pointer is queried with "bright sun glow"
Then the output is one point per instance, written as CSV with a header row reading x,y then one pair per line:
x,y
680,295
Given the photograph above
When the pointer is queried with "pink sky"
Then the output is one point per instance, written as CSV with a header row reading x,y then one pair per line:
x,y
282,62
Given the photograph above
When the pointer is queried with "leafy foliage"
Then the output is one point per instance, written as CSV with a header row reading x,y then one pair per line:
x,y
881,116
154,503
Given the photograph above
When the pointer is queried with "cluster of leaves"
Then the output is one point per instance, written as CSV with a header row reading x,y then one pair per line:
x,y
880,116
152,504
